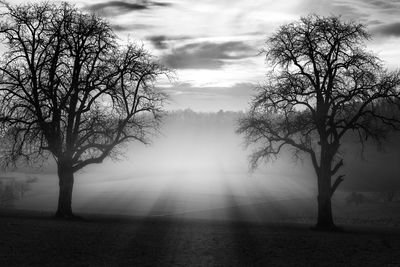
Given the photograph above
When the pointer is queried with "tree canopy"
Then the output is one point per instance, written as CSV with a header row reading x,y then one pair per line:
x,y
68,87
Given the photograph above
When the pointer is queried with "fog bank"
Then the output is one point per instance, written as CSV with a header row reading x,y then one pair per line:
x,y
198,163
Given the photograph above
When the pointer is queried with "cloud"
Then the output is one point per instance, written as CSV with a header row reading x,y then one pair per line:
x,y
114,8
237,90
207,55
364,11
381,16
130,27
120,28
163,42
388,5
392,30
235,97
159,41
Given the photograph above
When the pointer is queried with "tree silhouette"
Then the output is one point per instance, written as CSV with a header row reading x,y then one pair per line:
x,y
323,84
70,90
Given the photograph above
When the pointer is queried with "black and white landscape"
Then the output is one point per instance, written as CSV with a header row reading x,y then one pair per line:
x,y
200,133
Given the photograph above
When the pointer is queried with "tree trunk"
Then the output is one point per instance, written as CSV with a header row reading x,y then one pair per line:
x,y
66,182
325,219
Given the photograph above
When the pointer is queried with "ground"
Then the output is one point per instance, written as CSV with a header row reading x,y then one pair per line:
x,y
35,239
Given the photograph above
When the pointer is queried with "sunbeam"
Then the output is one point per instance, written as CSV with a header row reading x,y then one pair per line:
x,y
197,169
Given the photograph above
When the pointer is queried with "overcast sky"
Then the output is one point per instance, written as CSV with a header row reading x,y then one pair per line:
x,y
213,44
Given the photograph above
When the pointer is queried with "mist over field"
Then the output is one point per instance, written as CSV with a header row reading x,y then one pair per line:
x,y
197,166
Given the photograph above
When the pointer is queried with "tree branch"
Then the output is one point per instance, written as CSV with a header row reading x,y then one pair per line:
x,y
337,182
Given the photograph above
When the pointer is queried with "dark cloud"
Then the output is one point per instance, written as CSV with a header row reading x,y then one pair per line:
x,y
130,27
364,10
159,41
207,55
384,4
120,28
113,8
350,11
375,22
347,9
392,29
162,41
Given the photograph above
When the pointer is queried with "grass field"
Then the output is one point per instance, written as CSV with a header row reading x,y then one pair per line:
x,y
188,221
35,239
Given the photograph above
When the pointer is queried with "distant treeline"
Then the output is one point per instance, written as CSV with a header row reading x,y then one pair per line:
x,y
12,189
192,118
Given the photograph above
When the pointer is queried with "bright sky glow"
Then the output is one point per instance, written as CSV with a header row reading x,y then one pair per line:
x,y
213,44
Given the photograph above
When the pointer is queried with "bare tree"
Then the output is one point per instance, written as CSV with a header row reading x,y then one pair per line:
x,y
70,90
322,86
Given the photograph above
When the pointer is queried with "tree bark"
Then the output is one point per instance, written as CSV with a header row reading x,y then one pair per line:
x,y
66,182
325,218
